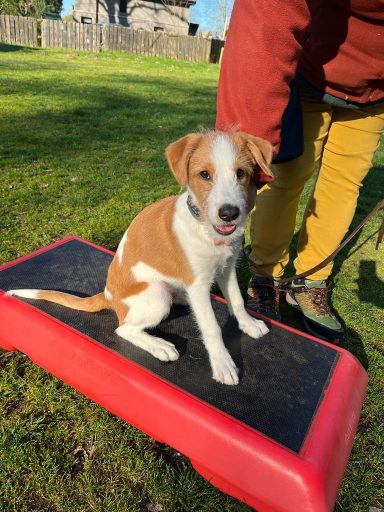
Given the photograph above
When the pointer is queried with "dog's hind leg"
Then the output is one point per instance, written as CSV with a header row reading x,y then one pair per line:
x,y
145,311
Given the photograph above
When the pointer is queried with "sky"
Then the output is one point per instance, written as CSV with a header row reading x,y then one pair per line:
x,y
201,13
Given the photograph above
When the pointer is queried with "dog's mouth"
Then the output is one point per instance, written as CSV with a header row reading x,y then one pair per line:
x,y
225,229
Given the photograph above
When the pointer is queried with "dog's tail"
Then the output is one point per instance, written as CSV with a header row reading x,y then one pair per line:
x,y
91,304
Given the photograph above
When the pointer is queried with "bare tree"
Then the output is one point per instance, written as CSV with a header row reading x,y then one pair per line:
x,y
222,16
214,16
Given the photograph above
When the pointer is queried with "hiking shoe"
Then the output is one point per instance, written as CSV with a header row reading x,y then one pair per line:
x,y
310,297
263,297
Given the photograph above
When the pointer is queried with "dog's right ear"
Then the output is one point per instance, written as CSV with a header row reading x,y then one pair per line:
x,y
178,154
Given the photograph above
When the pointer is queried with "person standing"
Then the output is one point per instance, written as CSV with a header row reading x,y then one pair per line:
x,y
309,77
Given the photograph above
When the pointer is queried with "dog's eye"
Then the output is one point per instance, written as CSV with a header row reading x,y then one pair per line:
x,y
205,175
240,173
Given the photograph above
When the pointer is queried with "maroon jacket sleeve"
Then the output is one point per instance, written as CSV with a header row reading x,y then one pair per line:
x,y
260,59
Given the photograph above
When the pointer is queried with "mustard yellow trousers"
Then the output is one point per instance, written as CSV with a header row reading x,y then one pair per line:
x,y
344,141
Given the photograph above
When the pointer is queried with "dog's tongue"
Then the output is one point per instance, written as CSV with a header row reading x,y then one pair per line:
x,y
225,230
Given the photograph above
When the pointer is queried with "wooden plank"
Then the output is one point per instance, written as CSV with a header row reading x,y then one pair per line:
x,y
56,32
94,38
17,30
78,36
75,36
147,42
105,37
49,34
151,43
16,33
30,32
7,31
65,34
99,38
195,50
144,45
129,40
2,28
135,41
12,29
119,38
23,37
124,36
141,33
81,36
115,37
59,31
34,33
89,37
52,33
43,28
58,26
71,35
112,38
26,34
113,41
120,29
131,36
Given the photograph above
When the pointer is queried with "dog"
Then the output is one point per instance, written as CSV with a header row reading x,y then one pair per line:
x,y
175,248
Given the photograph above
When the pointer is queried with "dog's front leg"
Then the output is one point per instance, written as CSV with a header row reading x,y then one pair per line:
x,y
223,368
227,280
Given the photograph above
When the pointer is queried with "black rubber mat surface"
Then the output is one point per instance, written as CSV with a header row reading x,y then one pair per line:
x,y
283,375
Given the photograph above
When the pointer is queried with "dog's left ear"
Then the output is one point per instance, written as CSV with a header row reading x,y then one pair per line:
x,y
261,152
178,154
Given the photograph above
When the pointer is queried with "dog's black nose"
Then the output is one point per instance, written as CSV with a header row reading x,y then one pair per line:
x,y
228,212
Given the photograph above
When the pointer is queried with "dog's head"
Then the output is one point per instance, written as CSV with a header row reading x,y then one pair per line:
x,y
218,169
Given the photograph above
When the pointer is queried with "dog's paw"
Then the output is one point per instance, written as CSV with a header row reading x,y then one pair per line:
x,y
224,369
253,327
164,351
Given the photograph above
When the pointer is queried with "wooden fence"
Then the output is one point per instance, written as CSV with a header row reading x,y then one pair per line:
x,y
18,30
71,35
79,36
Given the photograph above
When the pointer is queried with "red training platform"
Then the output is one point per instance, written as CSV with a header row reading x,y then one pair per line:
x,y
279,441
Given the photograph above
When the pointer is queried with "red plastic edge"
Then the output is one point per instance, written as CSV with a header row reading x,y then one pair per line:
x,y
239,460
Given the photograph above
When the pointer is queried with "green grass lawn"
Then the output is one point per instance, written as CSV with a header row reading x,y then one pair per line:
x,y
82,139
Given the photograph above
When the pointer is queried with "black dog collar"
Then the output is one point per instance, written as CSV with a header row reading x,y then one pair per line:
x,y
193,208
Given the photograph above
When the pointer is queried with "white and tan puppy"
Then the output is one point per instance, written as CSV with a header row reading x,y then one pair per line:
x,y
175,249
